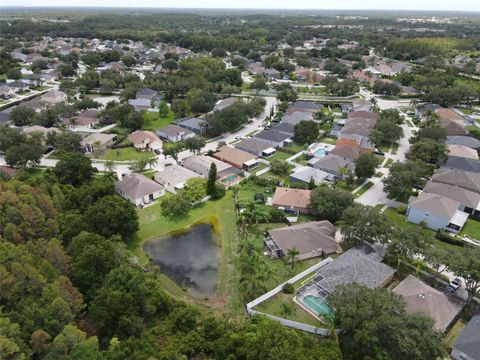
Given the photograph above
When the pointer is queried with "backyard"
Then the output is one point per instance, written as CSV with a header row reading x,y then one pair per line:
x,y
153,121
126,154
471,229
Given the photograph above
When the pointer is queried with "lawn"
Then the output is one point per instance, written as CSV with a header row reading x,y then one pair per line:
x,y
388,163
364,189
453,333
471,229
153,121
285,179
128,153
260,166
247,189
280,155
296,147
222,215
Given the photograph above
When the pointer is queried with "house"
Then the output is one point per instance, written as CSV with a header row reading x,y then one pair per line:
x,y
467,141
7,172
139,189
296,116
256,147
148,94
274,138
469,200
292,200
311,239
284,128
200,164
142,104
236,157
462,151
6,92
463,179
39,129
461,163
361,105
97,142
362,265
467,345
306,106
421,298
54,97
271,73
222,104
174,133
453,128
173,178
437,212
338,166
305,174
449,114
145,140
87,119
197,125
361,114
346,151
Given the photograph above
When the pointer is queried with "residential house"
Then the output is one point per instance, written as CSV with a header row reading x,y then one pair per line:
x,y
236,157
174,178
463,179
54,97
145,140
255,67
311,239
174,133
39,129
143,104
274,138
467,141
284,128
97,142
453,128
469,200
449,114
200,164
467,344
362,105
222,104
338,166
256,147
306,106
462,151
296,116
347,151
421,298
148,94
437,212
6,92
197,125
461,163
292,200
305,174
139,189
361,114
272,74
87,119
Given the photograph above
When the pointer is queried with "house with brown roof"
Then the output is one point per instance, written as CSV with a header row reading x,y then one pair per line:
x,y
361,114
145,140
311,239
87,119
347,150
462,151
292,200
437,212
452,127
421,298
139,189
448,114
463,179
97,142
236,157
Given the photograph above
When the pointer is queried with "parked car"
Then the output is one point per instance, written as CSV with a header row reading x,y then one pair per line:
x,y
454,284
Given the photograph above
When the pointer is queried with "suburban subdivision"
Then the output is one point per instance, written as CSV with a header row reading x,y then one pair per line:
x,y
239,184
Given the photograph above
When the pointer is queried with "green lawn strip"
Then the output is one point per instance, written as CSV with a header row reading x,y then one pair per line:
x,y
280,155
327,140
222,214
471,229
388,163
296,147
394,149
260,166
453,333
153,121
385,147
128,153
364,189
466,111
281,178
247,190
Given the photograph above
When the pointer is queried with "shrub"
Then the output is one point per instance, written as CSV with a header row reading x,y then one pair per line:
x,y
446,238
219,191
288,288
402,209
276,216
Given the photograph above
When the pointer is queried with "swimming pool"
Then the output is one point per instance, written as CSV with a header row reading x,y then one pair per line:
x,y
317,305
320,152
229,179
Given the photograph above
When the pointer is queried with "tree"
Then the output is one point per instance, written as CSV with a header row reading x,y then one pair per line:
x,y
466,264
361,224
292,256
404,177
22,115
195,143
365,166
258,84
170,65
428,150
163,109
176,205
279,167
74,169
285,92
14,74
112,215
23,155
67,141
10,137
129,61
305,132
286,309
180,108
212,180
172,149
437,258
386,130
377,324
329,204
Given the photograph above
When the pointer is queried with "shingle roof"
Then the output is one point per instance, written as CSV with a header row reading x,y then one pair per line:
x,y
460,163
469,141
332,162
310,105
448,114
297,198
464,179
468,341
174,175
435,204
363,115
346,151
252,145
137,185
233,155
306,173
272,135
421,298
462,151
174,130
463,196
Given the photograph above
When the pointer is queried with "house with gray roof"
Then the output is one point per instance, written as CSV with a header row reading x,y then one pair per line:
x,y
467,141
469,200
197,125
256,147
274,138
306,105
222,104
333,164
174,133
174,178
464,179
437,212
296,116
139,189
461,163
284,128
467,345
311,239
147,93
305,174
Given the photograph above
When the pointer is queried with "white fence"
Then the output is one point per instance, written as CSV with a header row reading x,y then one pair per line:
x,y
279,288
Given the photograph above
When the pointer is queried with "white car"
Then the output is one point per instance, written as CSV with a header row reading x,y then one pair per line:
x,y
454,284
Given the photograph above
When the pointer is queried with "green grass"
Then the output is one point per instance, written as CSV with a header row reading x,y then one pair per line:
x,y
280,155
388,163
260,166
453,333
282,178
153,121
364,189
395,149
296,147
327,140
466,111
221,213
125,154
471,229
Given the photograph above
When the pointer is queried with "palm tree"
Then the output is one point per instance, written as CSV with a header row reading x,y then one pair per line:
x,y
152,162
432,119
292,256
110,166
97,148
374,104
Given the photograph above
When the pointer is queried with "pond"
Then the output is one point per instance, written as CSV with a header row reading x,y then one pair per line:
x,y
191,259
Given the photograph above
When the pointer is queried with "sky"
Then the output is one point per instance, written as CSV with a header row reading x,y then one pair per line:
x,y
458,5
